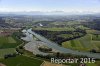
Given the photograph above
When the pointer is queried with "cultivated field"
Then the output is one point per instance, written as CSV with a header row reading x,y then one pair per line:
x,y
45,63
21,61
8,45
55,29
6,51
7,42
86,43
97,63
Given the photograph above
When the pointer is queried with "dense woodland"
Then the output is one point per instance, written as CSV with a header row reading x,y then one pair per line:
x,y
54,35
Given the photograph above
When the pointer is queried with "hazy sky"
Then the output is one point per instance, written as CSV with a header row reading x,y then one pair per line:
x,y
50,5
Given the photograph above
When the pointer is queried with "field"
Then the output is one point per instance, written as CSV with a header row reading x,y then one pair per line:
x,y
7,42
8,45
91,64
6,51
55,29
86,43
51,64
97,63
21,61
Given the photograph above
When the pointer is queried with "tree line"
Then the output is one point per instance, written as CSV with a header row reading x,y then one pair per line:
x,y
53,35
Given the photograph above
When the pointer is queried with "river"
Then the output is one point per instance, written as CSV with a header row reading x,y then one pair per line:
x,y
62,49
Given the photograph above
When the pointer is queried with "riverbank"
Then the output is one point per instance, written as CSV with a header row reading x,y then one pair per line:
x,y
61,49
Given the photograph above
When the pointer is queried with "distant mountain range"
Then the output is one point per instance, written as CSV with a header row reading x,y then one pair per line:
x,y
46,13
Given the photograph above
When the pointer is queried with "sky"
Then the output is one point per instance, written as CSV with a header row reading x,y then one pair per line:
x,y
50,5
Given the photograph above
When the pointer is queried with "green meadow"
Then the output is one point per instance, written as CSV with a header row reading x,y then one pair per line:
x,y
86,43
7,42
8,45
6,51
21,61
55,29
